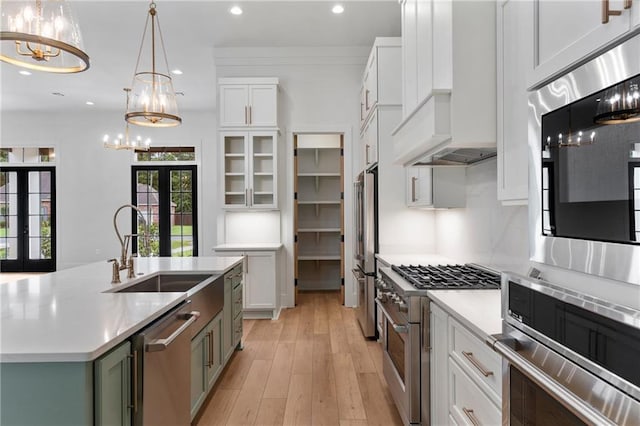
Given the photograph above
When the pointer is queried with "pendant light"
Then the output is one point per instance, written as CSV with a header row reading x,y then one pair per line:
x,y
620,103
153,101
122,141
41,35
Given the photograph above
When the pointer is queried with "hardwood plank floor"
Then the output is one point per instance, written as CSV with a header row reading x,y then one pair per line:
x,y
310,367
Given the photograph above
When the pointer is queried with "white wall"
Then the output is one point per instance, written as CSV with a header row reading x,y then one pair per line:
x,y
92,182
487,232
318,92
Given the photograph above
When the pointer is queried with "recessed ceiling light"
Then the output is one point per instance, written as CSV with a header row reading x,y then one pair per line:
x,y
24,72
235,10
176,72
89,103
57,94
337,9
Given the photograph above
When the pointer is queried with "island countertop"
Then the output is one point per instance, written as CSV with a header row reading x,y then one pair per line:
x,y
67,316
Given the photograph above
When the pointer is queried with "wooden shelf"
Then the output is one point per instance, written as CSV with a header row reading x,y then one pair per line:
x,y
320,202
313,174
319,257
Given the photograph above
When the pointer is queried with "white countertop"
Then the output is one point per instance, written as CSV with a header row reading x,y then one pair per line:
x,y
478,310
248,247
65,316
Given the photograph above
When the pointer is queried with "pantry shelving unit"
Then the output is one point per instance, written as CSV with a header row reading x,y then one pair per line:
x,y
319,212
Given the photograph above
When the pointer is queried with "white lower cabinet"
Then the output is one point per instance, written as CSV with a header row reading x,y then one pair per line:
x,y
466,376
468,405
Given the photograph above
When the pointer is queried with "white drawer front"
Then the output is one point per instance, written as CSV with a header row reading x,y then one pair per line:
x,y
469,405
477,359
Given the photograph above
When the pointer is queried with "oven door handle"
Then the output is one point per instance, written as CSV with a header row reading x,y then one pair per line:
x,y
398,328
574,404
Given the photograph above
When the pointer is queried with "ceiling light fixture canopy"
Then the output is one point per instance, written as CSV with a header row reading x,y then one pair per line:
x,y
153,100
41,35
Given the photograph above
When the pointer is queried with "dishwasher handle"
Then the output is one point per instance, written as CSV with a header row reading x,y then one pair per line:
x,y
158,345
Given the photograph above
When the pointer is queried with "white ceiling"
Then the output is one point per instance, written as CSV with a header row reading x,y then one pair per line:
x,y
112,32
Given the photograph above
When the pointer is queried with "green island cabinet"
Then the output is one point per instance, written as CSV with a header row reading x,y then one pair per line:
x,y
113,387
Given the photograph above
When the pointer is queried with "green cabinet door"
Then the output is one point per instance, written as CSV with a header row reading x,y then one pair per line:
x,y
215,354
227,320
113,387
199,366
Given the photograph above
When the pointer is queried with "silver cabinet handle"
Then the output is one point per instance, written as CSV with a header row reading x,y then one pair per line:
x,y
134,361
366,99
413,189
366,153
606,12
246,120
576,405
426,328
472,417
210,348
402,329
250,115
162,344
476,364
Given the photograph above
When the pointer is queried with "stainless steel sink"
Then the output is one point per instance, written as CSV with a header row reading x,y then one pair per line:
x,y
166,283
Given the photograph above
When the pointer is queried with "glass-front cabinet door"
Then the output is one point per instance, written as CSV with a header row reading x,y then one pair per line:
x,y
250,169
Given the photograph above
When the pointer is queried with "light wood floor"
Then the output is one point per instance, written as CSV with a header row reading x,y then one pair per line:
x,y
310,367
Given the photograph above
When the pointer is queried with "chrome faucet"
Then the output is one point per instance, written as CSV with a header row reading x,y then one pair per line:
x,y
124,245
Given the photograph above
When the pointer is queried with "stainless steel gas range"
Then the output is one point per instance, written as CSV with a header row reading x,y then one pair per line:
x,y
403,299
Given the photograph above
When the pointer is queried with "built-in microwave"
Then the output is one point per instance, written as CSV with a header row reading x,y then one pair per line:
x,y
584,181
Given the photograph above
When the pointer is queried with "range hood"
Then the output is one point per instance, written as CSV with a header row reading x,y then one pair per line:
x,y
458,157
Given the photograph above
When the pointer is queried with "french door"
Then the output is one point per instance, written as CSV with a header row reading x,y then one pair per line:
x,y
166,196
27,219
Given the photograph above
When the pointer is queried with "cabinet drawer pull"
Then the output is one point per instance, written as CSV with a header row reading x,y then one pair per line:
x,y
476,364
472,417
606,12
250,114
246,121
413,189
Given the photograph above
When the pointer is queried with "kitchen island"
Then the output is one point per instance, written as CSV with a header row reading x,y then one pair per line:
x,y
54,326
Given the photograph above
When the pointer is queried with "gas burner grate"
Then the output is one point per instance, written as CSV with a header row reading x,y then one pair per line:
x,y
451,277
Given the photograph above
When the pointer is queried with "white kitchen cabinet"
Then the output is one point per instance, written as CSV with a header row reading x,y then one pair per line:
x,y
260,285
436,187
247,102
448,69
438,366
249,169
514,59
381,81
466,375
369,140
567,33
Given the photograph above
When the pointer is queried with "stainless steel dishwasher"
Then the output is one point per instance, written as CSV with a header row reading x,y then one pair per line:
x,y
164,370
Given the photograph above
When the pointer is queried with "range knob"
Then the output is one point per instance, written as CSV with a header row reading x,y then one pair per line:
x,y
381,285
383,297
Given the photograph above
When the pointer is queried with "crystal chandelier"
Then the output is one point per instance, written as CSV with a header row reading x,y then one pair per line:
x,y
122,141
41,35
153,101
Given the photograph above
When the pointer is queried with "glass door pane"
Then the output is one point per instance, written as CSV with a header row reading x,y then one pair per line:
x,y
9,215
148,202
39,222
181,213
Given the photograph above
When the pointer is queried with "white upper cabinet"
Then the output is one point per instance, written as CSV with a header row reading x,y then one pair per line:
x,y
436,187
449,77
514,35
569,32
248,102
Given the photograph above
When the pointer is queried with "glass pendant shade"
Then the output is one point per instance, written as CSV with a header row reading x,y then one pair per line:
x,y
152,101
41,35
620,104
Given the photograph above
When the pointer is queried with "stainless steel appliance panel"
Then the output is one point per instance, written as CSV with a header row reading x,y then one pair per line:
x,y
365,221
425,363
166,368
365,311
609,260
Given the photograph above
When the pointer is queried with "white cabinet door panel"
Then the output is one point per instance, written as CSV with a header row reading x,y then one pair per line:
x,y
263,105
233,102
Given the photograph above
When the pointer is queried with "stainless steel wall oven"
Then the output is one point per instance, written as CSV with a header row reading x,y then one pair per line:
x,y
584,156
568,359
